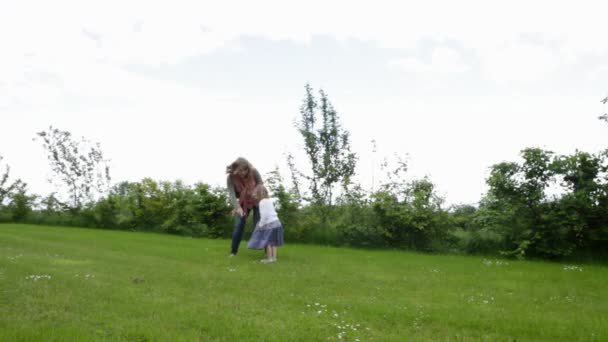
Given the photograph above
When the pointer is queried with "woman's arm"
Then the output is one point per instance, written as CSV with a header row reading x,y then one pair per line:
x,y
232,192
258,178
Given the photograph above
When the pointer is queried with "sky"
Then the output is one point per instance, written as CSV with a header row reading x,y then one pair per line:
x,y
180,89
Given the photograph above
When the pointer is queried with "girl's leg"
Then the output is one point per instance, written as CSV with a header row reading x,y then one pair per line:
x,y
273,252
269,252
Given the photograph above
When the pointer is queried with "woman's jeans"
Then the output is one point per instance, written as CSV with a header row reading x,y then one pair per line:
x,y
239,227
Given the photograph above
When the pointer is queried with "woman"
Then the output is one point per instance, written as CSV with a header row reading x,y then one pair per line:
x,y
241,180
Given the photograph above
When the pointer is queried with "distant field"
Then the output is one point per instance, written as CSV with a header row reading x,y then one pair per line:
x,y
69,284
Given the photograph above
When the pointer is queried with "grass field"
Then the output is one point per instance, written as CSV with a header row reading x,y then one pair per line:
x,y
68,284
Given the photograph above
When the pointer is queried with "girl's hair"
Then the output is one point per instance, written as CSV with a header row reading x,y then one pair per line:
x,y
260,192
239,163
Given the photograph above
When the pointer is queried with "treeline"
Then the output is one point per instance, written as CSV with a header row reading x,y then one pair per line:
x,y
548,206
517,216
148,205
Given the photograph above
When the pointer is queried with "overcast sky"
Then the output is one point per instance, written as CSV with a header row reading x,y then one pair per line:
x,y
177,91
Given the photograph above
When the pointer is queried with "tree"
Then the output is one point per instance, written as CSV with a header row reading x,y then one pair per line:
x,y
171,207
287,204
327,147
409,213
21,205
605,115
533,223
78,165
585,206
8,188
517,206
295,179
463,216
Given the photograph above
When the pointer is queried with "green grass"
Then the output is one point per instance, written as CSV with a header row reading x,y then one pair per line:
x,y
110,285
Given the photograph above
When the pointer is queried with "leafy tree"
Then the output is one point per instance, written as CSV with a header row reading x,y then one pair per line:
x,y
197,211
21,205
171,207
105,212
356,221
327,147
15,204
151,206
287,205
537,173
78,165
463,216
516,202
409,213
586,205
413,217
532,223
395,182
8,188
49,204
295,179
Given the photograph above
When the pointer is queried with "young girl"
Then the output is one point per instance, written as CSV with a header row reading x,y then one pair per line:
x,y
268,233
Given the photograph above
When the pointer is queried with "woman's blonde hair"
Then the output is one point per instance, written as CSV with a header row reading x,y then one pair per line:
x,y
260,192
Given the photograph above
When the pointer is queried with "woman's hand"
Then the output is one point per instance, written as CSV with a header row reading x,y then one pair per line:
x,y
239,211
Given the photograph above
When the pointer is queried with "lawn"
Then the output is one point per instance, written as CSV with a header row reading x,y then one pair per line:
x,y
72,284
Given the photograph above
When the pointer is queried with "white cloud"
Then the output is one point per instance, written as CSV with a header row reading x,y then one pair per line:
x,y
150,32
411,65
143,32
444,61
599,73
522,62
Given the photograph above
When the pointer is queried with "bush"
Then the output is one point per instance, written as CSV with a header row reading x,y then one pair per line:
x,y
5,215
477,242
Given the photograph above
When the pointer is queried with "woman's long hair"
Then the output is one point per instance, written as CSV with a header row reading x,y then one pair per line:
x,y
240,164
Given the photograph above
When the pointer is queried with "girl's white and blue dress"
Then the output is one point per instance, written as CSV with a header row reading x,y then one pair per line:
x,y
269,230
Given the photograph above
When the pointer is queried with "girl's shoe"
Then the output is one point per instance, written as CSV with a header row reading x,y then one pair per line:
x,y
267,261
